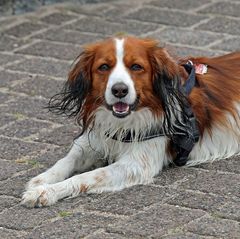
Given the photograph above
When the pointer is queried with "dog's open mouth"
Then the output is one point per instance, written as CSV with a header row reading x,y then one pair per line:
x,y
121,109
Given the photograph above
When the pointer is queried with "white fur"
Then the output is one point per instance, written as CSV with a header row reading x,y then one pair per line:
x,y
120,75
222,143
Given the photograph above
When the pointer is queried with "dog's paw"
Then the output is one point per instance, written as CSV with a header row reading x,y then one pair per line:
x,y
39,196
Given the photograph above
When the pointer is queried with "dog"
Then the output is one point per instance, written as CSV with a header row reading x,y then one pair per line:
x,y
140,109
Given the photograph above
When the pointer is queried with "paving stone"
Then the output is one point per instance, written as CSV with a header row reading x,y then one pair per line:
x,y
217,227
45,67
63,135
95,25
190,51
7,202
130,201
155,221
7,9
137,28
165,17
75,204
186,235
231,210
50,49
11,234
107,235
22,106
5,59
5,21
6,119
89,9
69,36
26,106
8,169
52,155
12,149
25,29
8,43
232,44
118,12
57,18
76,226
175,175
8,78
39,86
20,217
15,186
99,25
197,200
20,6
3,98
183,4
214,182
186,37
223,8
225,165
24,128
223,25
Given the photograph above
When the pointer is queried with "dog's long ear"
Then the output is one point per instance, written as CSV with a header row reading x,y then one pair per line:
x,y
166,86
70,100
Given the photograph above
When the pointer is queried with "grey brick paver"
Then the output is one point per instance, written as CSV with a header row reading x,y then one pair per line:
x,y
156,221
214,226
50,49
36,51
166,17
25,29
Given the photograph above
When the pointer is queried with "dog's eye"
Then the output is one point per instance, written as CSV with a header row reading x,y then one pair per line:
x,y
136,67
104,67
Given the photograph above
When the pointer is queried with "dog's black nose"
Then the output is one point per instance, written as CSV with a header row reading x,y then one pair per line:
x,y
119,90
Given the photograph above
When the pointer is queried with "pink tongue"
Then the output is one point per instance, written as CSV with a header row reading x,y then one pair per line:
x,y
120,107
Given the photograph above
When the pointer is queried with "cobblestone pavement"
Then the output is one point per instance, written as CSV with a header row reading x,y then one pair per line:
x,y
36,51
15,7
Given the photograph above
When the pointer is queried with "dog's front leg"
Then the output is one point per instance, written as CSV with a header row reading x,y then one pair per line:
x,y
126,172
80,158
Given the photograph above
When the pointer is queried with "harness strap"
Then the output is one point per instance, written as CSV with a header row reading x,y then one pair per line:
x,y
184,143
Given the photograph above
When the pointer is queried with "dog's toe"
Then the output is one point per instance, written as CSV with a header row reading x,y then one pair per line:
x,y
39,196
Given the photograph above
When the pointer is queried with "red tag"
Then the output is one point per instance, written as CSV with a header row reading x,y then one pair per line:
x,y
200,68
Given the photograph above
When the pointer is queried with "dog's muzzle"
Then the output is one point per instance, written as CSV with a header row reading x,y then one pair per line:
x,y
121,108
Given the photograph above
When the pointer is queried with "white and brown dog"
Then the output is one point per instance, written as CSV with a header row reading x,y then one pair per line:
x,y
131,99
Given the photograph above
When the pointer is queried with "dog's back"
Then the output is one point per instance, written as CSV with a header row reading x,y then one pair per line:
x,y
216,104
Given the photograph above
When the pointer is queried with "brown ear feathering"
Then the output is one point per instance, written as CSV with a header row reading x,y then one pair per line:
x,y
70,101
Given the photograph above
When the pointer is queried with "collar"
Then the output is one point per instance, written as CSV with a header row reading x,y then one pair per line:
x,y
182,142
129,137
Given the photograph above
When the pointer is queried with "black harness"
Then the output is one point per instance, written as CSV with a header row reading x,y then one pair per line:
x,y
182,141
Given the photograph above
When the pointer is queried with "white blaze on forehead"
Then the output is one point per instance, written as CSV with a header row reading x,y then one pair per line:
x,y
119,49
120,75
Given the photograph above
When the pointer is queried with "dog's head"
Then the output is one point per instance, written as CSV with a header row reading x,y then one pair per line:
x,y
122,75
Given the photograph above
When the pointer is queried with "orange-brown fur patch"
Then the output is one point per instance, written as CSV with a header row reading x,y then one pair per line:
x,y
100,176
141,54
83,188
218,91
